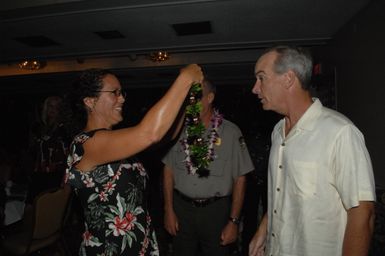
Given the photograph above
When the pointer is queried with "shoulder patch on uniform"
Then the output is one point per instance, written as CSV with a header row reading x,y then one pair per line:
x,y
242,142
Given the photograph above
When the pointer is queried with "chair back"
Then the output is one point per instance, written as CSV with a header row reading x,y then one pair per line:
x,y
50,209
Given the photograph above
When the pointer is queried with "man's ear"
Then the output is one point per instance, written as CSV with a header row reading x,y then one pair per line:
x,y
289,78
211,97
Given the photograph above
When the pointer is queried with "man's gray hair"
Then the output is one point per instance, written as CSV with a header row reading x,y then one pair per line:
x,y
296,59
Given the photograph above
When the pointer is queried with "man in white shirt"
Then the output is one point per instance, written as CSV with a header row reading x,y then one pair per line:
x,y
321,189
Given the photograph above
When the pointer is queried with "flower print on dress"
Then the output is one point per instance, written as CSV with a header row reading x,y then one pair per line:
x,y
102,174
149,241
123,220
120,226
144,247
109,187
110,170
81,138
95,215
90,240
154,245
73,157
140,168
103,197
119,171
68,175
115,210
88,181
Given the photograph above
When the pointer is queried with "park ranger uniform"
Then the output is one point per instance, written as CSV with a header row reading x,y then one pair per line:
x,y
203,205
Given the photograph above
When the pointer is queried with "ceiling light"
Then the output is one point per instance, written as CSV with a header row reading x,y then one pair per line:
x,y
159,56
31,64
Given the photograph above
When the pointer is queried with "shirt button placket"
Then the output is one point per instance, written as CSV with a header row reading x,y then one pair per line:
x,y
279,177
280,167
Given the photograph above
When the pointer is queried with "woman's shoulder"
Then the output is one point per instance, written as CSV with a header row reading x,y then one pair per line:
x,y
84,136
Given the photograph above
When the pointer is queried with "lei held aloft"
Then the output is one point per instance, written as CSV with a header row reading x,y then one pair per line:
x,y
199,151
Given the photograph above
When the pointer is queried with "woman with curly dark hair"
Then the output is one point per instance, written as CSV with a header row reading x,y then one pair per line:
x,y
110,182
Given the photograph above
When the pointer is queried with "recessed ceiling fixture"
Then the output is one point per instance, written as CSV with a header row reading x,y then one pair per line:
x,y
193,28
159,56
37,41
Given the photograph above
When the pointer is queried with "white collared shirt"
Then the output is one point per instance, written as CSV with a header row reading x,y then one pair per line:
x,y
316,173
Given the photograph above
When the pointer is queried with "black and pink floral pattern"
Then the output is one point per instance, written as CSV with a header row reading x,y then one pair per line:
x,y
114,199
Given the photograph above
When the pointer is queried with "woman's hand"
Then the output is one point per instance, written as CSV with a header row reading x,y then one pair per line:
x,y
193,72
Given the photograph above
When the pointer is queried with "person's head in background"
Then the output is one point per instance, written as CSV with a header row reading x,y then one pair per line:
x,y
51,111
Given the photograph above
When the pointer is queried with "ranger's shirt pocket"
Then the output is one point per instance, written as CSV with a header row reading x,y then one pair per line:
x,y
217,166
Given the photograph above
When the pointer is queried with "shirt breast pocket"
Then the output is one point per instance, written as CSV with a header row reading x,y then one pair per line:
x,y
217,167
304,178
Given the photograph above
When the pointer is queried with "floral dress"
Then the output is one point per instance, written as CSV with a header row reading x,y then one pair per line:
x,y
113,197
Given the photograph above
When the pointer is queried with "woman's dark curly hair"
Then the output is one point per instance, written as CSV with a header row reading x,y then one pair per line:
x,y
86,85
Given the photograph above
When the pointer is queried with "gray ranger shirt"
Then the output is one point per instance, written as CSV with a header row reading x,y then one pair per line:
x,y
232,160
